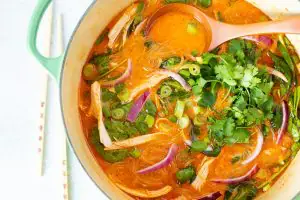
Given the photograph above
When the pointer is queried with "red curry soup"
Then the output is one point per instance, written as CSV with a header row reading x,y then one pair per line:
x,y
167,120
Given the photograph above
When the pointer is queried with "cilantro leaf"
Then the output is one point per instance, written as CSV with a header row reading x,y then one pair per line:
x,y
249,80
225,73
238,136
228,127
207,99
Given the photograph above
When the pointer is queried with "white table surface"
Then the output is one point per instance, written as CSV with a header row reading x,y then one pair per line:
x,y
20,87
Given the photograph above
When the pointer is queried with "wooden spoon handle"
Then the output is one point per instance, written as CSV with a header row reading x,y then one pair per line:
x,y
227,32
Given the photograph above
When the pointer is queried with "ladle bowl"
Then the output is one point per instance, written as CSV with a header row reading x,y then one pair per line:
x,y
218,32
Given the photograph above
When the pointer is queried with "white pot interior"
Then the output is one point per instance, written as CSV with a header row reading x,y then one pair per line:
x,y
99,15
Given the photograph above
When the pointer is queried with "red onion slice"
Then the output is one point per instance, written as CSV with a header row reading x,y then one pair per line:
x,y
277,73
211,196
176,77
284,124
122,78
138,106
163,163
248,175
261,39
140,27
257,150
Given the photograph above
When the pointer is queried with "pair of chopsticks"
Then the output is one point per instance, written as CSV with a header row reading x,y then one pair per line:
x,y
43,102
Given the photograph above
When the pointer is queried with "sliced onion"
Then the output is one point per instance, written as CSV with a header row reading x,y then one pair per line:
x,y
96,109
176,77
138,106
257,150
121,23
284,124
248,175
191,57
155,79
125,31
261,39
144,193
211,196
140,27
163,163
276,73
202,173
135,141
122,78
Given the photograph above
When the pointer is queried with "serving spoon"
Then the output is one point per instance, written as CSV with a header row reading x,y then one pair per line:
x,y
218,32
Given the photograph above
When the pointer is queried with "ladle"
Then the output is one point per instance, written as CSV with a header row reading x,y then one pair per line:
x,y
219,32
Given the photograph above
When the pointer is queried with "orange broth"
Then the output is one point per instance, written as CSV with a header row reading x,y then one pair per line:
x,y
170,30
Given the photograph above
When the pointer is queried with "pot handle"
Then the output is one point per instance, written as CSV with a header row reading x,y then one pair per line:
x,y
52,65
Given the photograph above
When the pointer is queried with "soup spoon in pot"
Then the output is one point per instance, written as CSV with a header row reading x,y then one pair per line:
x,y
218,32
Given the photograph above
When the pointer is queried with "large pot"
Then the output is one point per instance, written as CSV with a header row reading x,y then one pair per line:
x,y
66,69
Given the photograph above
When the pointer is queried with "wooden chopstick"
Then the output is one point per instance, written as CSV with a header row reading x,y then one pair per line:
x,y
43,102
65,145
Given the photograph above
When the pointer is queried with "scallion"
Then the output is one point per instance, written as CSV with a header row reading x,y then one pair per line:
x,y
165,91
149,120
118,113
179,109
184,122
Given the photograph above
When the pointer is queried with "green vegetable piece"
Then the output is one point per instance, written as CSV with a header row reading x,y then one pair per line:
x,y
179,108
239,136
229,127
107,95
140,7
212,153
194,69
295,148
186,174
205,3
207,99
184,73
192,28
165,91
119,88
242,191
198,120
109,156
142,127
170,62
265,130
191,82
135,153
286,55
90,72
101,60
148,43
235,159
194,53
124,95
296,100
197,89
149,120
219,16
184,122
198,146
150,108
106,111
173,118
102,37
118,113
